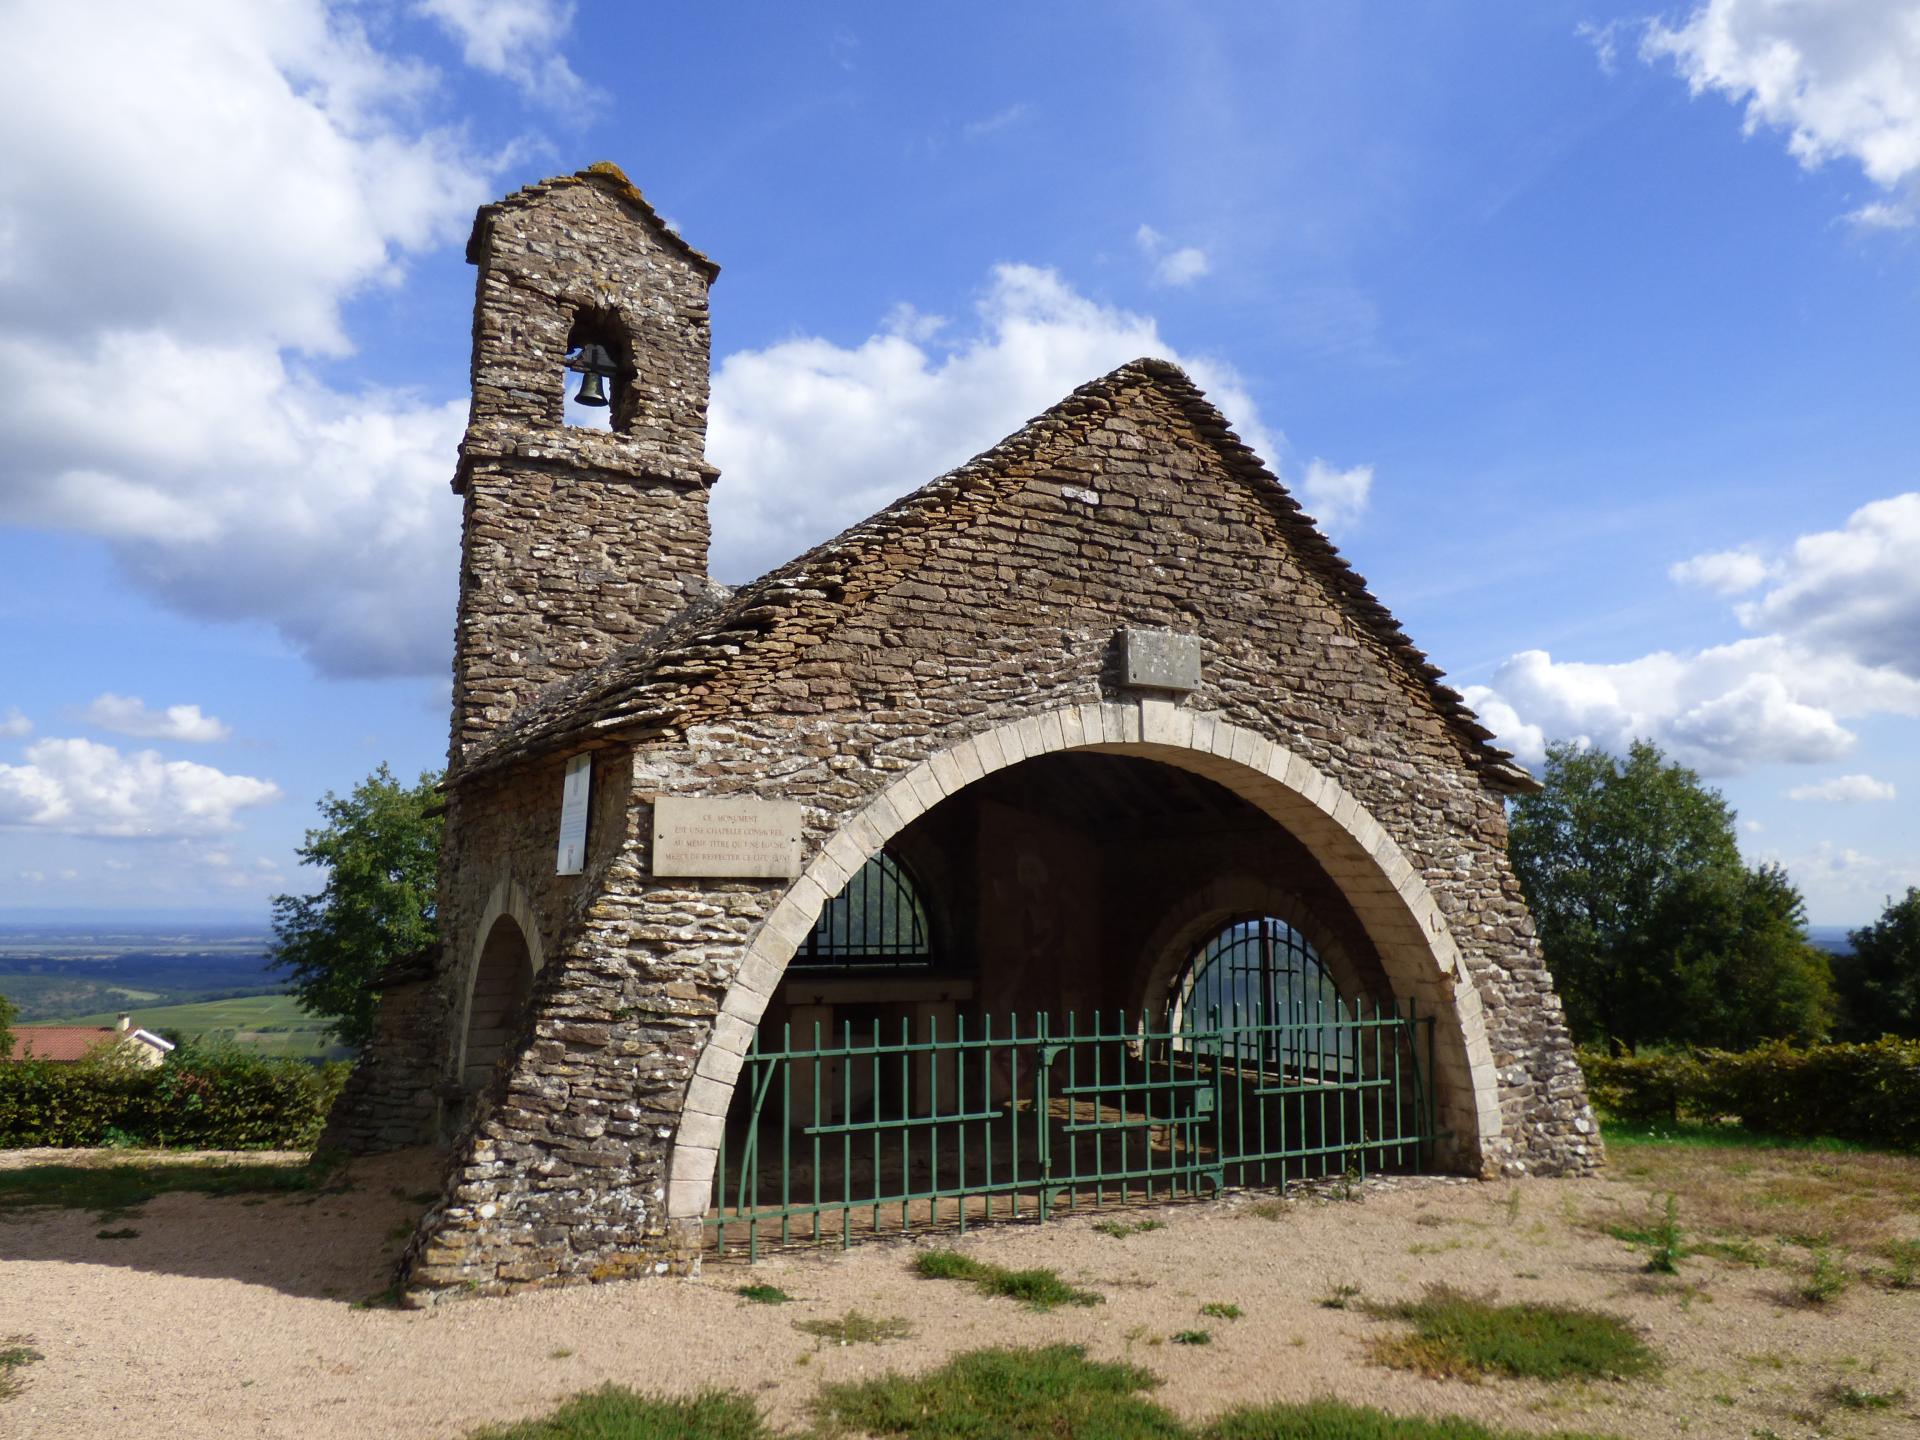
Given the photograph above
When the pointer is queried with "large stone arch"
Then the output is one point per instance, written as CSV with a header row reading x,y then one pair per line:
x,y
1387,894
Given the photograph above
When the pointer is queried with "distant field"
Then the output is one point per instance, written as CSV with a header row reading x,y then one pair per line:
x,y
270,1024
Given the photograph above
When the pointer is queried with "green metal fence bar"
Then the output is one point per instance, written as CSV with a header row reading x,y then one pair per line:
x,y
1133,1113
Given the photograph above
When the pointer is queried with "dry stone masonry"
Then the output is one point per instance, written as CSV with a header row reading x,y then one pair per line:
x,y
1121,578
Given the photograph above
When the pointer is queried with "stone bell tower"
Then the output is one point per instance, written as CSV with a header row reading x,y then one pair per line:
x,y
577,541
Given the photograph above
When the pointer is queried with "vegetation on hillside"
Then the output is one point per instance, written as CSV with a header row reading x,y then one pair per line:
x,y
380,849
1880,981
1655,930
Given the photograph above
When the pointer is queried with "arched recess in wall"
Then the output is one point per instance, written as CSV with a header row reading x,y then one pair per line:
x,y
1388,896
498,984
1171,945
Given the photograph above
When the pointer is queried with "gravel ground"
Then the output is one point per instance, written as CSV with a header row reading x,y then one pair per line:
x,y
233,1317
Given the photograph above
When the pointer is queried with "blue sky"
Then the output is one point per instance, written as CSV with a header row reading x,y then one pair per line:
x,y
1588,331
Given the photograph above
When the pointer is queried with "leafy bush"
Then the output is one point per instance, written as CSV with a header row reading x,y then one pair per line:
x,y
1868,1093
201,1097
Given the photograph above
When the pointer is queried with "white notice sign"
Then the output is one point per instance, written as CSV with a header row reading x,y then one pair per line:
x,y
726,839
573,816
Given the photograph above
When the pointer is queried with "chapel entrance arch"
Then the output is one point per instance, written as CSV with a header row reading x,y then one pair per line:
x,y
1048,923
502,984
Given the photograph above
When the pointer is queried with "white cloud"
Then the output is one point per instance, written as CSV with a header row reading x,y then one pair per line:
x,y
1725,572
1721,710
129,715
1842,616
518,40
1846,884
80,787
811,436
1000,120
1840,77
1336,497
14,724
1855,590
228,177
1845,790
1181,266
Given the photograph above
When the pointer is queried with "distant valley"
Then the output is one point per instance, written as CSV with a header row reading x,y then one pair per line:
x,y
201,980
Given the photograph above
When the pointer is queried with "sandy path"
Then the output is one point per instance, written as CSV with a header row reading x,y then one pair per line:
x,y
231,1317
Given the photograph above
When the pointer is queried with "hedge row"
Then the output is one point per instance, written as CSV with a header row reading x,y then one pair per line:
x,y
200,1098
1869,1093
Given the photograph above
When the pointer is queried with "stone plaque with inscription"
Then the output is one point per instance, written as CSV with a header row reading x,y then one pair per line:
x,y
1160,659
743,839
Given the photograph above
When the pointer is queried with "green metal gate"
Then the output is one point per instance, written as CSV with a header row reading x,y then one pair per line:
x,y
833,1137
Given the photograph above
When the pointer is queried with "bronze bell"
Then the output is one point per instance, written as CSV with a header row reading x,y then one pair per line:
x,y
595,365
593,389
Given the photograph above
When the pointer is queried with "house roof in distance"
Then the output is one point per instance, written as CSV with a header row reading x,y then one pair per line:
x,y
75,1042
652,686
59,1042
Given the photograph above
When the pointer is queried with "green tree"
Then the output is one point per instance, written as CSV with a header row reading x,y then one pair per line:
x,y
7,1012
1880,980
1653,928
380,848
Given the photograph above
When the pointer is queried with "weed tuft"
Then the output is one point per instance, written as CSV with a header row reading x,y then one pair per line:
x,y
856,1328
1849,1397
1340,1297
1664,1256
1826,1282
1192,1337
763,1294
1037,1289
1903,1271
1120,1229
1221,1310
16,1353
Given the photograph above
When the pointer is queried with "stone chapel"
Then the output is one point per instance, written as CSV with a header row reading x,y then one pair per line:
x,y
1077,831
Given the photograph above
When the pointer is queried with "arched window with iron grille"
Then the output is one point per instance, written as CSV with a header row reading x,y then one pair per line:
x,y
877,922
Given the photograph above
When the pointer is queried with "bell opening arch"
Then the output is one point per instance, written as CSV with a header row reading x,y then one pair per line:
x,y
1401,921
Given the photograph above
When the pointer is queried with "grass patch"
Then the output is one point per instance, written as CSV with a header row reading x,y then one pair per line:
x,y
1333,1420
1220,1310
1120,1229
1007,1395
614,1413
1340,1297
856,1328
1036,1289
1698,1135
1192,1337
1456,1336
116,1187
763,1294
1057,1392
16,1353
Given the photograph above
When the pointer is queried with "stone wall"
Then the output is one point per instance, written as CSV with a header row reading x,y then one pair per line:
x,y
997,599
577,542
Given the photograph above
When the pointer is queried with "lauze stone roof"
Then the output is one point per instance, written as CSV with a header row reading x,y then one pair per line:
x,y
685,671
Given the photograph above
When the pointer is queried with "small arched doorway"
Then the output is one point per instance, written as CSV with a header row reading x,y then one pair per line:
x,y
502,983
